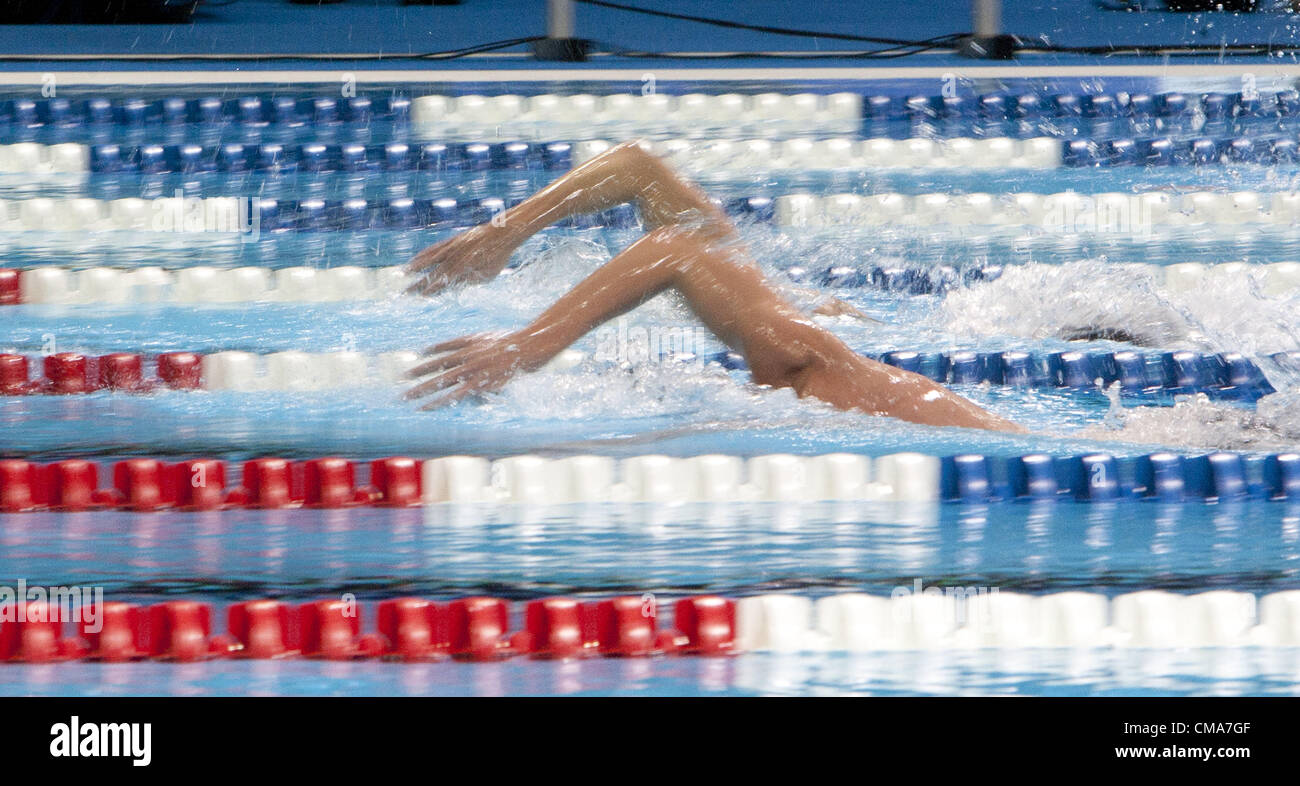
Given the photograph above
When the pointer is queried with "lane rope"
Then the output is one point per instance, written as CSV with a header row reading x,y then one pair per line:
x,y
146,484
1227,376
479,629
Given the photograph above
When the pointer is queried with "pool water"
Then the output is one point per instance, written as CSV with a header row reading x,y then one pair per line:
x,y
1209,672
1049,284
598,551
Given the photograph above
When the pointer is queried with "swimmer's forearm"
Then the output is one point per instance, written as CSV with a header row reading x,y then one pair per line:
x,y
724,291
847,380
625,173
627,281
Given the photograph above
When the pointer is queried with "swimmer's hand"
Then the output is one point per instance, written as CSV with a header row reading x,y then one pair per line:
x,y
471,257
474,364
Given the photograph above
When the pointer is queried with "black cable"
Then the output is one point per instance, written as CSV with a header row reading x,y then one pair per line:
x,y
766,29
875,54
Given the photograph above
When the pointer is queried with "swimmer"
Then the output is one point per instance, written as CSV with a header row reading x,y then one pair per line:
x,y
691,248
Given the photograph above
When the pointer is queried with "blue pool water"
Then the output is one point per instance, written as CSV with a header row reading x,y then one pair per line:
x,y
733,549
1053,282
1208,672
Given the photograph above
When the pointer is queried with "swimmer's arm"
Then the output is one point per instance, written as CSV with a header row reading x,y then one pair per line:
x,y
729,294
476,364
625,173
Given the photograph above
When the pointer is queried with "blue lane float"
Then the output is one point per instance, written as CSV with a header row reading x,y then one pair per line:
x,y
1221,376
314,157
1164,477
1098,106
275,157
318,215
257,110
1166,151
245,110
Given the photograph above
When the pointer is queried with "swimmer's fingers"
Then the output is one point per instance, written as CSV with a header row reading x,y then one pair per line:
x,y
462,391
446,400
473,339
462,372
436,383
436,364
431,284
448,362
447,275
439,266
455,353
482,380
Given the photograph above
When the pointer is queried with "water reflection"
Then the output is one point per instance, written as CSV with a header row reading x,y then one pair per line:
x,y
736,548
1203,672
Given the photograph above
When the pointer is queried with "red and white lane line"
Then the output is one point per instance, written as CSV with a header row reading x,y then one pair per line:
x,y
481,628
69,373
145,484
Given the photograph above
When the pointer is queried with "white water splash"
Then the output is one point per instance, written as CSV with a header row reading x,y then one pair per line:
x,y
1196,422
1227,314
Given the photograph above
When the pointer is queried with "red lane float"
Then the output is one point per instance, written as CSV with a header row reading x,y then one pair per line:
x,y
556,628
331,483
478,629
122,371
71,485
70,373
268,483
120,634
625,628
142,485
408,629
145,484
199,484
180,370
11,293
67,373
331,629
395,482
181,630
18,486
15,376
412,629
36,637
707,624
261,629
